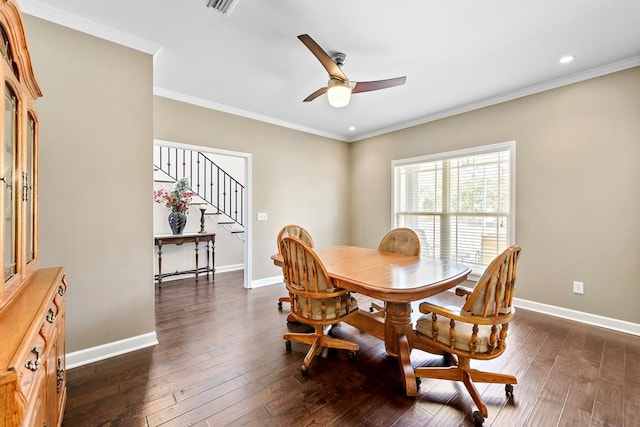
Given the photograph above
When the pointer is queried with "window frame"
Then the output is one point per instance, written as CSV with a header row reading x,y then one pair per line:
x,y
472,151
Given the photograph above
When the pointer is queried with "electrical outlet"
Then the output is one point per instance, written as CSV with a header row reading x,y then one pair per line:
x,y
578,288
261,216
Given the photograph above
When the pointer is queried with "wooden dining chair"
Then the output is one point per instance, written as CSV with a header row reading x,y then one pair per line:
x,y
294,231
315,300
400,240
476,330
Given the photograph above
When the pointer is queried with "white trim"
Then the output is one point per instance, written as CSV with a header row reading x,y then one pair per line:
x,y
248,214
200,102
219,151
481,149
248,225
614,67
471,151
105,351
227,268
274,280
219,269
576,316
116,348
44,11
41,10
579,316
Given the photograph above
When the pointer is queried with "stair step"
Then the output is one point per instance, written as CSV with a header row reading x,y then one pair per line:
x,y
237,231
213,213
226,222
166,181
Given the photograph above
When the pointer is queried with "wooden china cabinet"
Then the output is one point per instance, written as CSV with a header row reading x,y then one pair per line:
x,y
32,312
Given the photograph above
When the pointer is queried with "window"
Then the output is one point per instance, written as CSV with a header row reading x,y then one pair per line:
x,y
461,203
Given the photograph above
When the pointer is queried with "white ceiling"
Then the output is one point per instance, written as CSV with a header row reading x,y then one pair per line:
x,y
457,55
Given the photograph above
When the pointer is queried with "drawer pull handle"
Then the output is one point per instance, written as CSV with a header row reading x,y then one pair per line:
x,y
60,376
33,365
51,316
60,290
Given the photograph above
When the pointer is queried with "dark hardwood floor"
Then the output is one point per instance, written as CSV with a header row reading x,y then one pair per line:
x,y
222,361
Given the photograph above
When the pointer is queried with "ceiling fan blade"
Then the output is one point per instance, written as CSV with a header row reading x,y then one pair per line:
x,y
378,84
323,57
316,94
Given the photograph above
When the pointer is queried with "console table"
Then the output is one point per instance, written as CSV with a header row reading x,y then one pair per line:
x,y
209,239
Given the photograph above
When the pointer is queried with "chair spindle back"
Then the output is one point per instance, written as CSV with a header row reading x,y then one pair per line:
x,y
401,240
493,294
293,230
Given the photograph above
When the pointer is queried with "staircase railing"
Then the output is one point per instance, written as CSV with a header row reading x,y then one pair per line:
x,y
212,183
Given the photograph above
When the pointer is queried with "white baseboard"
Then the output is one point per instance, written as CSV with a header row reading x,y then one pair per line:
x,y
267,281
551,310
576,316
105,351
116,348
231,267
219,269
579,316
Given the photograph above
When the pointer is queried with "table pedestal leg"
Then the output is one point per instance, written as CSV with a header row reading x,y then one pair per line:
x,y
398,338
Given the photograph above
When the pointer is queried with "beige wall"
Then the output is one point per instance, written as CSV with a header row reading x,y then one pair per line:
x,y
96,121
577,184
577,176
297,177
96,211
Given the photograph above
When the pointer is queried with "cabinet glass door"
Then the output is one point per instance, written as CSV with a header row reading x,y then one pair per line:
x,y
9,203
28,190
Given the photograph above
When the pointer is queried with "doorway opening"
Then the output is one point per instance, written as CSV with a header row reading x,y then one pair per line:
x,y
222,181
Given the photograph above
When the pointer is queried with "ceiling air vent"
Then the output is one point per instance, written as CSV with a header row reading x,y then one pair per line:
x,y
223,6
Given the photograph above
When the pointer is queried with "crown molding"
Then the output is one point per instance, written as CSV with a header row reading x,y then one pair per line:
x,y
509,96
57,16
178,96
41,10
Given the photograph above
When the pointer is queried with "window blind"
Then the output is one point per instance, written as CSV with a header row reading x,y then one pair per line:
x,y
460,203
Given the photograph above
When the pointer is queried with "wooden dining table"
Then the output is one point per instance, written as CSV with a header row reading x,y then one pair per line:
x,y
395,279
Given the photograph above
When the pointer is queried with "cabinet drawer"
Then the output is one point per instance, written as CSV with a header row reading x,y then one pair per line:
x,y
31,365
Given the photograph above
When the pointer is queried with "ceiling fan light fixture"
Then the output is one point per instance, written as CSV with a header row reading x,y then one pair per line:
x,y
338,92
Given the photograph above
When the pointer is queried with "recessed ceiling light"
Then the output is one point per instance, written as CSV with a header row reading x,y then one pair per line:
x,y
566,59
352,128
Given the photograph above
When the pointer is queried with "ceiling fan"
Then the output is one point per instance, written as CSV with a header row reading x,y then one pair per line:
x,y
340,88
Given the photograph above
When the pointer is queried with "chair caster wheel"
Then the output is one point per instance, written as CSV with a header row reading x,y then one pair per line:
x,y
280,305
508,389
353,357
288,345
371,309
478,419
418,382
304,371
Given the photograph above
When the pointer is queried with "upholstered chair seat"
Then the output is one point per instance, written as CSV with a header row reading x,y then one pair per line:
x,y
324,309
463,333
